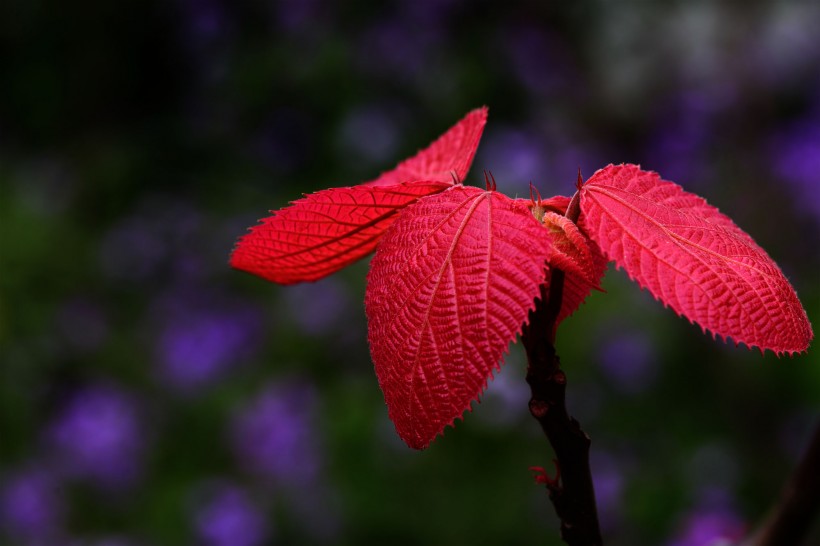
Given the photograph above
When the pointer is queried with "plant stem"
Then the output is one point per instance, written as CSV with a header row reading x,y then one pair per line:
x,y
571,491
792,517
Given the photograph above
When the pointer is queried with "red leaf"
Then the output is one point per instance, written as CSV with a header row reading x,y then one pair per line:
x,y
448,290
578,257
572,252
328,230
692,258
324,231
452,153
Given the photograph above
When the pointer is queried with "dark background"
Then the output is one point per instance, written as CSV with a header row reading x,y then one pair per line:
x,y
151,396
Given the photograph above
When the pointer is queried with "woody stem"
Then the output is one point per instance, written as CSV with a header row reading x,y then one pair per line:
x,y
571,493
791,519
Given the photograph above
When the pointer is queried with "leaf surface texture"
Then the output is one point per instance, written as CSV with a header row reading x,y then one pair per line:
x,y
448,290
692,258
324,231
330,229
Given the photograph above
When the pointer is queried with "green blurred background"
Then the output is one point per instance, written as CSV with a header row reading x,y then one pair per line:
x,y
152,396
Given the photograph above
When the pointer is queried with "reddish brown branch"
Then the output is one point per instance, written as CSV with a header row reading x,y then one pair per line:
x,y
571,491
791,518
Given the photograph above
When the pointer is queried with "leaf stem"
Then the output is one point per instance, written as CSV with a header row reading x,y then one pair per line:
x,y
571,492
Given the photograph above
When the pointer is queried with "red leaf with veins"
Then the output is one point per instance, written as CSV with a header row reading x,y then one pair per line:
x,y
692,258
324,231
578,257
448,290
573,254
328,230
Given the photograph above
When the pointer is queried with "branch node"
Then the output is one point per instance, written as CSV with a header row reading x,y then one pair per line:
x,y
542,478
539,408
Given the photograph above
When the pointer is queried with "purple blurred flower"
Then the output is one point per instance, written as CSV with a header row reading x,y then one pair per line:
x,y
515,156
201,341
99,436
629,361
31,506
713,521
677,147
275,435
709,528
518,156
228,517
568,158
795,158
608,480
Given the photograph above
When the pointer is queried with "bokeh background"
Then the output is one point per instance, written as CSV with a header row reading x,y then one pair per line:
x,y
152,396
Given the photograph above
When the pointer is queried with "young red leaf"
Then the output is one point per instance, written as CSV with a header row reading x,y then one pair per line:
x,y
692,258
328,230
324,231
573,252
450,155
449,288
578,257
